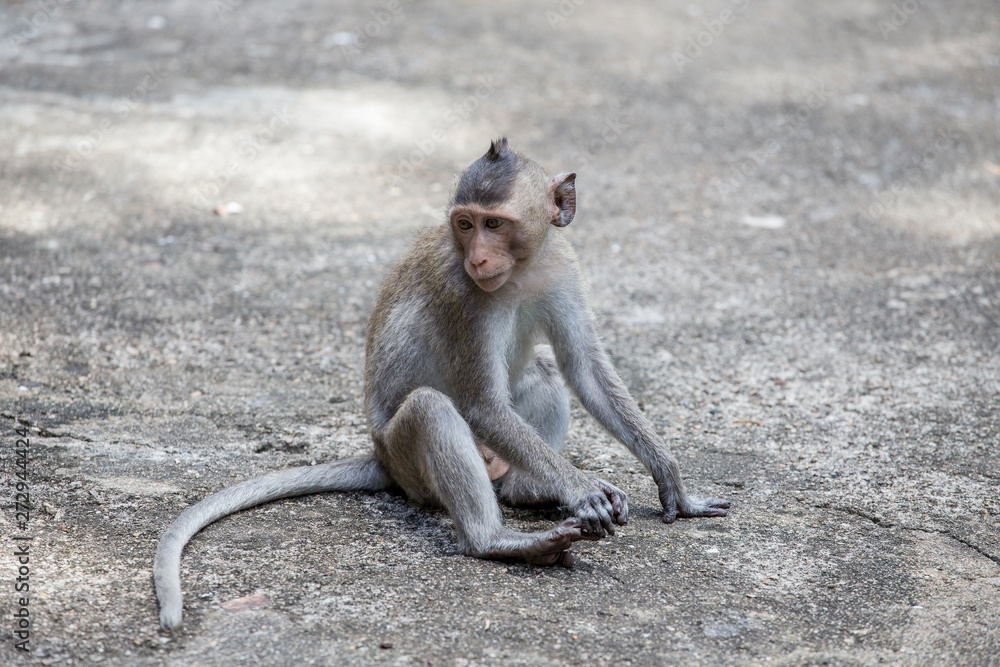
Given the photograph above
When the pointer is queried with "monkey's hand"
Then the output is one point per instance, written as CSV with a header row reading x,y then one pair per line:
x,y
619,501
684,506
596,513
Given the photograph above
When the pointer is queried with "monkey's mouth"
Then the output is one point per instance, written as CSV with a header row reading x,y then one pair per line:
x,y
490,283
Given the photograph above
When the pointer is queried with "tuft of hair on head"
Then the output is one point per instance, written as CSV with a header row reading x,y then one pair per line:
x,y
489,180
497,148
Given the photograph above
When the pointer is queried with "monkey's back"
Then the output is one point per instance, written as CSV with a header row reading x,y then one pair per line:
x,y
421,310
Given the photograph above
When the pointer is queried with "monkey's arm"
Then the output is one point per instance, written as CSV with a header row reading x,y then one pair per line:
x,y
592,377
501,429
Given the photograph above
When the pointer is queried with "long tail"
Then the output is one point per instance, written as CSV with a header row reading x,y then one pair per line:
x,y
359,474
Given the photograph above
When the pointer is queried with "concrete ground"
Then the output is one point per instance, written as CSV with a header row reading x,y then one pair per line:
x,y
788,217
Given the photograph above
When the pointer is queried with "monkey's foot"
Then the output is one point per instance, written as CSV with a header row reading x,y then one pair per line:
x,y
548,548
697,507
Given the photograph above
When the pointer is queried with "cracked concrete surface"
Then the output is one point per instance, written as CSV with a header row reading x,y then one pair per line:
x,y
789,222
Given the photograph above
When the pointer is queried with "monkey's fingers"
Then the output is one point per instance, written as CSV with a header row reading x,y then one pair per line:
x,y
595,512
592,528
695,507
708,511
620,504
618,499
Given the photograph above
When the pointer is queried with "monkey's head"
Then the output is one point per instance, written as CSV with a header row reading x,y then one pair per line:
x,y
501,212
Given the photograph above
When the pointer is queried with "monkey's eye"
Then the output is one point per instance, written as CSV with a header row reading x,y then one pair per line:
x,y
493,223
464,224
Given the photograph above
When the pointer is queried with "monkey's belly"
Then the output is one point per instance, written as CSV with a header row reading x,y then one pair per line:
x,y
496,467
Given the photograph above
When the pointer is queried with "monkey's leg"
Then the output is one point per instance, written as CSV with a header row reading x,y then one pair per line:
x,y
430,452
540,397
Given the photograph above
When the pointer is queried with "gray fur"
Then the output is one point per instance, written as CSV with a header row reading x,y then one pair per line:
x,y
542,400
361,474
453,367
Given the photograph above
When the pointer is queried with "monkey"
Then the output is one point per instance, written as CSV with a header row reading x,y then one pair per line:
x,y
474,336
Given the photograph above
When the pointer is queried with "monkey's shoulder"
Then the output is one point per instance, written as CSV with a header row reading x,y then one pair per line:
x,y
428,260
426,283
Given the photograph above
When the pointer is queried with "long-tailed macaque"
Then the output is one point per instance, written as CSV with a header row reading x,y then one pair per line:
x,y
464,401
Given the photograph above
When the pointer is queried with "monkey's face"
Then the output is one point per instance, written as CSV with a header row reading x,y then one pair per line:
x,y
490,241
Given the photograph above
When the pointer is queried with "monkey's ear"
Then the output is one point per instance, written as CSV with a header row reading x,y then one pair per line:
x,y
563,189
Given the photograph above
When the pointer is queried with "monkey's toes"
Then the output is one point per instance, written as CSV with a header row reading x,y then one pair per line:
x,y
553,548
571,528
561,537
579,530
561,558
